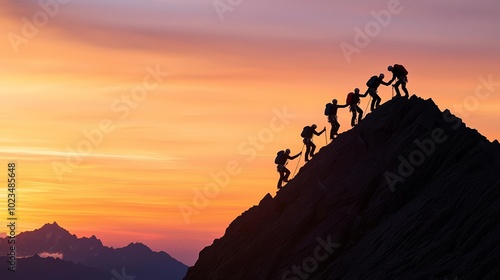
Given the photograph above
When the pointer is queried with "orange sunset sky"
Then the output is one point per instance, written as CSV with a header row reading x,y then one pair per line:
x,y
76,68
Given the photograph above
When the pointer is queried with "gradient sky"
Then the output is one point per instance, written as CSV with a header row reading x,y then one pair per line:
x,y
226,80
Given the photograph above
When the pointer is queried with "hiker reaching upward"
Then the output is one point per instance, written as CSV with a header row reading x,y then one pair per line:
x,y
373,83
281,160
307,134
400,73
331,112
353,99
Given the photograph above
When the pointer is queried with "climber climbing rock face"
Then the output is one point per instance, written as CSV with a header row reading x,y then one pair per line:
x,y
307,133
353,99
373,84
331,112
400,73
281,160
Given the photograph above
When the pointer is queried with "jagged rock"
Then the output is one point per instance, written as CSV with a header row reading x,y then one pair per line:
x,y
438,221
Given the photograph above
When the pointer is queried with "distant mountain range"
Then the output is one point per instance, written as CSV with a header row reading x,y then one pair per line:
x,y
84,258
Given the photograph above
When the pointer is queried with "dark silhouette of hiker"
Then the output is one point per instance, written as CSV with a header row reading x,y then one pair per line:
x,y
373,85
353,99
282,159
331,111
399,73
307,133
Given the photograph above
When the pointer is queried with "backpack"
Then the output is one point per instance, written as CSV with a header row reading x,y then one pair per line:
x,y
349,98
399,70
279,157
306,132
372,82
328,109
352,99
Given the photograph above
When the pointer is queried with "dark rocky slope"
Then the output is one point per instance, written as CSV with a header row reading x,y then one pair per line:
x,y
442,222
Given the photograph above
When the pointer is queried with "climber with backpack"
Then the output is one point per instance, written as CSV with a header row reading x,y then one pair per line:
x,y
307,134
353,99
281,160
373,83
400,73
331,112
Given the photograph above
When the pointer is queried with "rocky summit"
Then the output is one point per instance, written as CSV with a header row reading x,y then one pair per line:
x,y
409,193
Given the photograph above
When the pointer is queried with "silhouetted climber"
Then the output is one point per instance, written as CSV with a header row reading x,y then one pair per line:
x,y
331,112
399,72
281,160
373,83
307,134
353,99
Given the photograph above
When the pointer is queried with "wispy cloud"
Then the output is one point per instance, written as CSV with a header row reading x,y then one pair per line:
x,y
226,77
36,152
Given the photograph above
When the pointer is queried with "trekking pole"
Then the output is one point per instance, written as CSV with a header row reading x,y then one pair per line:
x,y
295,171
368,103
326,139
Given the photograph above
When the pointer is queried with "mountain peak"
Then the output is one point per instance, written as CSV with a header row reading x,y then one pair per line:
x,y
89,252
138,247
54,227
409,191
